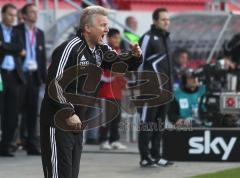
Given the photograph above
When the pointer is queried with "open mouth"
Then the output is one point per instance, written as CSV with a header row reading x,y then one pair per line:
x,y
102,37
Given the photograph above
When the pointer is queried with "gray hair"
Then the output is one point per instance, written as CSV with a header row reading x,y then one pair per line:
x,y
88,13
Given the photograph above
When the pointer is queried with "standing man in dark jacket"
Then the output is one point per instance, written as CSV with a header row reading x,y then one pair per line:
x,y
34,67
155,48
12,76
68,96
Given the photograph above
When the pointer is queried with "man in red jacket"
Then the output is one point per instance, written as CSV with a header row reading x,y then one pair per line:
x,y
111,89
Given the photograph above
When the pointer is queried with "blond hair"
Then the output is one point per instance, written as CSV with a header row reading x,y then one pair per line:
x,y
88,14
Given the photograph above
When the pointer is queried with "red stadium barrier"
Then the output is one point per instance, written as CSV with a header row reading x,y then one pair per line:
x,y
61,4
171,5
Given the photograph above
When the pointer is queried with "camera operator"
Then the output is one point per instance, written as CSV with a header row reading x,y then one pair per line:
x,y
221,79
184,108
232,60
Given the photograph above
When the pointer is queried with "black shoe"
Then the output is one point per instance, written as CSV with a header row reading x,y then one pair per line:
x,y
6,154
147,163
163,162
34,153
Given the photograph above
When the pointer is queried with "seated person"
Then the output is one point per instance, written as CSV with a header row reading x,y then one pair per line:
x,y
180,63
184,107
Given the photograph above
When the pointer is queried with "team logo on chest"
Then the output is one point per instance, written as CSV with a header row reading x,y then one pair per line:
x,y
83,61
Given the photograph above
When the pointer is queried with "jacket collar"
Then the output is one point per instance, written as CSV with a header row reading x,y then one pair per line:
x,y
187,90
159,31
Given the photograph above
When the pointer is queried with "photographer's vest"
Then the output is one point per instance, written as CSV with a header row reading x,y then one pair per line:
x,y
188,102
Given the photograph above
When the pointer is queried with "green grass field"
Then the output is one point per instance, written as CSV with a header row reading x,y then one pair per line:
x,y
229,173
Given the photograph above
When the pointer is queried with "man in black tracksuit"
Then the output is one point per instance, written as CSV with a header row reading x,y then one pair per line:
x,y
68,97
155,51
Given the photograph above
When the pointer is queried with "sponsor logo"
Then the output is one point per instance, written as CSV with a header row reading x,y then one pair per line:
x,y
206,144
